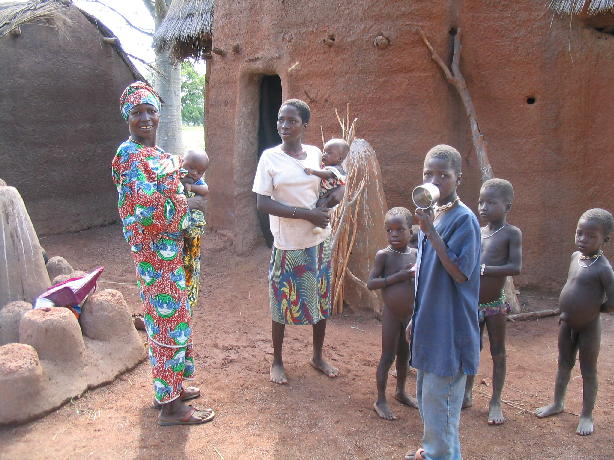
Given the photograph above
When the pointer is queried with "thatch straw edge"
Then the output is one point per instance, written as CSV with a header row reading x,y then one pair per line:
x,y
576,7
186,31
15,14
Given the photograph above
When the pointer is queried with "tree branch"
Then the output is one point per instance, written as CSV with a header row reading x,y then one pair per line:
x,y
151,67
435,57
135,27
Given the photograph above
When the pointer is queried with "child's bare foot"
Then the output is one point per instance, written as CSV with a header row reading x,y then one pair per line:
x,y
404,398
324,367
278,374
585,426
547,411
495,414
382,409
467,401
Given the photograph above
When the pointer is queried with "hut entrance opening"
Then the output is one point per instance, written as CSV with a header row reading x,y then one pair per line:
x,y
270,101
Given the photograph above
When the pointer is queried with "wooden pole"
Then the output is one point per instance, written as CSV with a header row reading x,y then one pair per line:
x,y
455,78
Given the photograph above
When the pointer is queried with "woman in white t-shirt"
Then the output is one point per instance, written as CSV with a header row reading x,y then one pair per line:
x,y
299,271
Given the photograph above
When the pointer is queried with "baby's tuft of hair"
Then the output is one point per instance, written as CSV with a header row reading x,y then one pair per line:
x,y
303,108
338,142
448,153
402,212
602,217
502,187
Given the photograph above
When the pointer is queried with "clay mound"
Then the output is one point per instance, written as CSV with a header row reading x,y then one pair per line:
x,y
59,357
23,275
65,277
58,266
10,317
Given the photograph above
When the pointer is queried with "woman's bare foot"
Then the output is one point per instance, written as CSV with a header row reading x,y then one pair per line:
x,y
327,369
585,426
382,409
404,398
278,374
495,414
547,411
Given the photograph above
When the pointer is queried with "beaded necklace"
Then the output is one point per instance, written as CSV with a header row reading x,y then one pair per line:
x,y
488,236
391,249
583,257
439,210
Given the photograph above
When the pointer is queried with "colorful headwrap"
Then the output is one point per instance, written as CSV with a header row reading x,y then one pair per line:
x,y
137,93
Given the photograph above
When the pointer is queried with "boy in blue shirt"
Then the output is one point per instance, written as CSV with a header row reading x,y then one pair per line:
x,y
444,331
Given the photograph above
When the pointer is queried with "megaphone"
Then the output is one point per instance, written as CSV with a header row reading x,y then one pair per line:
x,y
425,196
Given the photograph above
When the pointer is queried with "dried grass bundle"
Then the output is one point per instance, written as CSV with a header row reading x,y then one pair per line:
x,y
357,224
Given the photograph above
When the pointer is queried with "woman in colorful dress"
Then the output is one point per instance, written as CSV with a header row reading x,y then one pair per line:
x,y
299,271
154,212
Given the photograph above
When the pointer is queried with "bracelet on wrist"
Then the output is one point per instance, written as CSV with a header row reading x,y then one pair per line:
x,y
482,268
293,212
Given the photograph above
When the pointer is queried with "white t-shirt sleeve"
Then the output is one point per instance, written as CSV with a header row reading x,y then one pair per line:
x,y
263,180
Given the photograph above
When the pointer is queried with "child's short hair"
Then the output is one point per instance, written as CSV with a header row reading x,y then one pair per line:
x,y
303,109
446,152
340,142
399,211
502,186
193,155
602,217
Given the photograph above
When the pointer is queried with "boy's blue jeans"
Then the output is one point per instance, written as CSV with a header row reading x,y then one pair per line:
x,y
440,400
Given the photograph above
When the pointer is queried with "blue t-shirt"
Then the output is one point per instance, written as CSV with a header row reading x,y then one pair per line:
x,y
446,334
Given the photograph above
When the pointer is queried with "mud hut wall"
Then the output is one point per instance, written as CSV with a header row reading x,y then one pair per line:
x,y
288,40
551,150
61,123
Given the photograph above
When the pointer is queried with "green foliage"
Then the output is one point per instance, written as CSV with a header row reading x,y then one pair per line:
x,y
192,95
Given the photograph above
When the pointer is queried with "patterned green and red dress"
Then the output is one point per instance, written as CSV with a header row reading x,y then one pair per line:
x,y
154,213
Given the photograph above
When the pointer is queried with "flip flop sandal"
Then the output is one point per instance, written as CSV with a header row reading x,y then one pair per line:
x,y
193,417
415,455
139,322
194,393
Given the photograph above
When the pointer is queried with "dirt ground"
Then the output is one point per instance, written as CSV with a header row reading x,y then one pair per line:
x,y
313,417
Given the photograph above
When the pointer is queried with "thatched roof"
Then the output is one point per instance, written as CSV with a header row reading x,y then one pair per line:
x,y
13,14
186,30
54,13
584,7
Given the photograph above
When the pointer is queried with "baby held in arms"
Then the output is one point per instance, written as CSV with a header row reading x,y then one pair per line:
x,y
332,173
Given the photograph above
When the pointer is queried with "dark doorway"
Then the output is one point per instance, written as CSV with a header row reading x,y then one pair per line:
x,y
270,101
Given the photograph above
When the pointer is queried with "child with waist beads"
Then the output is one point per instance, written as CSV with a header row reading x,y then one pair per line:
x,y
501,257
